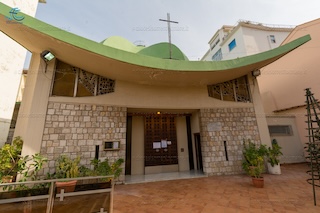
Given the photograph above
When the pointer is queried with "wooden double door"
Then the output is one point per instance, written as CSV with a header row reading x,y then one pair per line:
x,y
160,140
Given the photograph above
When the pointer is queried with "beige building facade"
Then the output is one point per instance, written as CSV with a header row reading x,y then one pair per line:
x,y
283,85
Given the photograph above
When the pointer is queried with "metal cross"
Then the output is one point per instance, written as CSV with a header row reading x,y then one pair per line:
x,y
169,31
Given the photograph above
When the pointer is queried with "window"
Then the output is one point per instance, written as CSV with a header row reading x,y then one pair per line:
x,y
232,44
236,90
280,130
217,56
215,44
74,82
272,39
111,145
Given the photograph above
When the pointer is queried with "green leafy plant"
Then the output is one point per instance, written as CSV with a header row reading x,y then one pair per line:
x,y
32,165
102,168
253,162
274,152
11,161
67,167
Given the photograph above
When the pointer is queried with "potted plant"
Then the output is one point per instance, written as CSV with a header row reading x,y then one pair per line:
x,y
67,168
103,168
253,162
26,167
273,154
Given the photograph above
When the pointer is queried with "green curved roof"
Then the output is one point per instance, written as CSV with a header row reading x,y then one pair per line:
x,y
162,50
121,43
115,63
159,50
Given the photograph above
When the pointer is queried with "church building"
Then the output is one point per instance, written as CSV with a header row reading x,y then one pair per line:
x,y
158,111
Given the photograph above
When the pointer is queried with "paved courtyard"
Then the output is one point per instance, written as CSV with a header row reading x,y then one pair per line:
x,y
288,192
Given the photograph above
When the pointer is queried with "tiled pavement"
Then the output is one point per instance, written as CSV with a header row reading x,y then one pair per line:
x,y
288,192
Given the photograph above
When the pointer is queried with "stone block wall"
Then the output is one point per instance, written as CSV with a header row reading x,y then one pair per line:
x,y
76,129
231,125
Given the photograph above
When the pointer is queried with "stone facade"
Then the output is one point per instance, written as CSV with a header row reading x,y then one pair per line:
x,y
76,129
231,125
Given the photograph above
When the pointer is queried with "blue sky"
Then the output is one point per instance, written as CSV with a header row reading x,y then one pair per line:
x,y
138,21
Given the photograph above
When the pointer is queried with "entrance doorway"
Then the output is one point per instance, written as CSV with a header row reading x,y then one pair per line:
x,y
160,140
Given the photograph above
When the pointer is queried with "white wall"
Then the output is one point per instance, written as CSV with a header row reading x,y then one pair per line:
x,y
238,51
33,109
182,139
257,41
11,66
249,41
291,147
137,146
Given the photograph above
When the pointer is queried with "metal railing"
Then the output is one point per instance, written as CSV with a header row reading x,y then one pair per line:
x,y
52,194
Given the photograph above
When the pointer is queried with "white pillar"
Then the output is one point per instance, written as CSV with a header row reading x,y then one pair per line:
x,y
11,65
259,111
33,109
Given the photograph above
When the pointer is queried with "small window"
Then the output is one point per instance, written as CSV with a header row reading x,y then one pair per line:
x,y
111,145
280,130
215,44
272,39
217,56
232,44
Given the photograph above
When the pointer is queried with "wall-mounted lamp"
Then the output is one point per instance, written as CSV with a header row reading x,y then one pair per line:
x,y
256,73
47,56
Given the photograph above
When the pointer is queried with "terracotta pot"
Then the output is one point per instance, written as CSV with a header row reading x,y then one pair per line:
x,y
258,182
7,179
105,185
68,186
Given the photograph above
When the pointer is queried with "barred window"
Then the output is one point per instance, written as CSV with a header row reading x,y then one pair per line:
x,y
280,130
217,56
235,90
74,82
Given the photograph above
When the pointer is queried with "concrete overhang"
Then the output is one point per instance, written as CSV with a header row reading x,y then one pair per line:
x,y
37,36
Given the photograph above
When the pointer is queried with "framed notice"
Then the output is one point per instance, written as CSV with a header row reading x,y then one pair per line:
x,y
163,143
156,145
214,126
